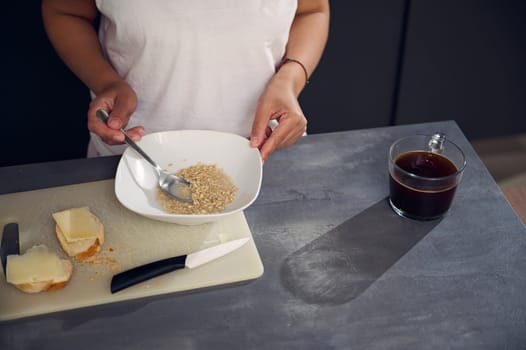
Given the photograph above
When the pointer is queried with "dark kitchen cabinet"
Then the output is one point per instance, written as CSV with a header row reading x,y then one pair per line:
x,y
466,60
354,83
44,105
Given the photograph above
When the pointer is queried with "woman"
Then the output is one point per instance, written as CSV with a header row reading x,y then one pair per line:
x,y
226,65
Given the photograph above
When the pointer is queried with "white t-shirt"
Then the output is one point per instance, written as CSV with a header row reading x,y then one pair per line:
x,y
194,64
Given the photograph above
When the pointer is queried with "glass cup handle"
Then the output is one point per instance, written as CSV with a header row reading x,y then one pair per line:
x,y
436,142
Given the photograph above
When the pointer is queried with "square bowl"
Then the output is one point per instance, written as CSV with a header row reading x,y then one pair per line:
x,y
136,180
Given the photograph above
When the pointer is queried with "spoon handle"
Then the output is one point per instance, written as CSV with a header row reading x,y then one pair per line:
x,y
103,115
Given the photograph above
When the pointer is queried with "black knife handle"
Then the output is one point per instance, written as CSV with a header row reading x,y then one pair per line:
x,y
10,244
145,272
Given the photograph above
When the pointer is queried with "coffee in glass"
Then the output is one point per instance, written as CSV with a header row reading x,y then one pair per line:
x,y
424,172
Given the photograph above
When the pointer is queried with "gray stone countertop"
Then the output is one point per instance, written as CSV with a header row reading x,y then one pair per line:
x,y
342,271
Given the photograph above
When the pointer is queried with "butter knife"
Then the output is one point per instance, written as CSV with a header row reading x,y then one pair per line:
x,y
10,243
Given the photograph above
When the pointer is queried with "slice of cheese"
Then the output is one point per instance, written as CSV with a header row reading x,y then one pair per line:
x,y
78,223
38,264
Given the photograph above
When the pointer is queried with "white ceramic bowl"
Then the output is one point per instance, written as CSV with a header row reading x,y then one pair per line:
x,y
136,179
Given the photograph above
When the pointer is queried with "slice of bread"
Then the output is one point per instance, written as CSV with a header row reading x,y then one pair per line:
x,y
38,270
79,231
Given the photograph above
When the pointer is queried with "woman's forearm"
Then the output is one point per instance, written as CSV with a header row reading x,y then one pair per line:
x,y
69,26
307,40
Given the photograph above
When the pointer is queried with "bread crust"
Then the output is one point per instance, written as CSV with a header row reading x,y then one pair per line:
x,y
82,249
45,286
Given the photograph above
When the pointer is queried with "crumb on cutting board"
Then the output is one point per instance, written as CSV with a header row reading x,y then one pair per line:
x,y
104,260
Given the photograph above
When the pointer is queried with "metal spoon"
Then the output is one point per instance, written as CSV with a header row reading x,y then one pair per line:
x,y
173,185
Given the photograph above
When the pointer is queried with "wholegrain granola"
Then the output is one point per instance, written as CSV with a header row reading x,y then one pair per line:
x,y
212,190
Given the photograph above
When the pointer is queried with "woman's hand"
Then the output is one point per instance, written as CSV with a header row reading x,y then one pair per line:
x,y
307,38
120,101
69,25
278,102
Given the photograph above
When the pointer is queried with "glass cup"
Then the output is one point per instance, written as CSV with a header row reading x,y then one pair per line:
x,y
424,172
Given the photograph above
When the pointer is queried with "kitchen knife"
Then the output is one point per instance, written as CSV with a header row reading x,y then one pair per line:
x,y
10,243
145,272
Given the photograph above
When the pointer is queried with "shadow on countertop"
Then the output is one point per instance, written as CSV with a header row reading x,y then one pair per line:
x,y
341,264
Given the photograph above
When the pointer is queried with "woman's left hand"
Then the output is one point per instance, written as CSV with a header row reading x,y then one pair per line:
x,y
280,103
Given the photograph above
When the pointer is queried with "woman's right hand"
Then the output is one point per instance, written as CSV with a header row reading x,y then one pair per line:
x,y
120,101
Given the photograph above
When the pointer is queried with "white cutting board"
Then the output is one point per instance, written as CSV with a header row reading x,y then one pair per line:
x,y
130,240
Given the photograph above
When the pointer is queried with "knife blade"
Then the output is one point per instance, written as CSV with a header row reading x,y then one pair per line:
x,y
10,243
142,273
